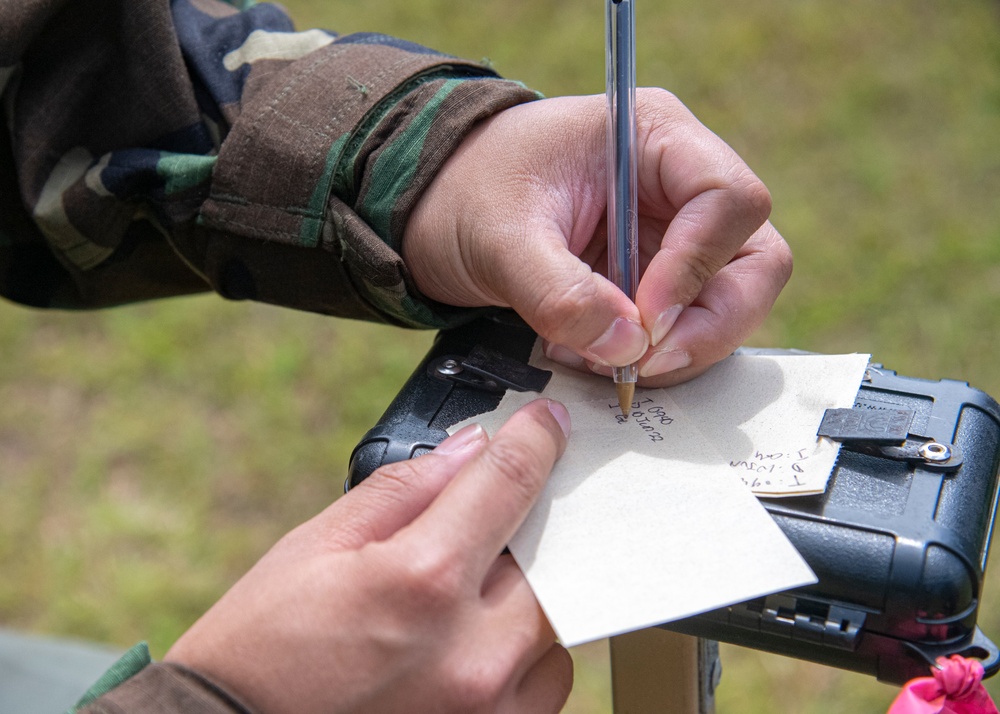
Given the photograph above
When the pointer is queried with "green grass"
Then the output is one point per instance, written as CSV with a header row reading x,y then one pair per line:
x,y
149,454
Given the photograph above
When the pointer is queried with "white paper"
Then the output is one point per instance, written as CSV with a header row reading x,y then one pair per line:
x,y
637,527
649,519
762,413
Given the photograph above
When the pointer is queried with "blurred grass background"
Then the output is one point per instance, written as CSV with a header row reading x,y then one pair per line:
x,y
150,454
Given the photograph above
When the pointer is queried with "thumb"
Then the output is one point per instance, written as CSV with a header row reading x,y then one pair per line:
x,y
567,303
397,493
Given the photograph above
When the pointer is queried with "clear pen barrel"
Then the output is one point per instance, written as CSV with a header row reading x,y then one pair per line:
x,y
623,254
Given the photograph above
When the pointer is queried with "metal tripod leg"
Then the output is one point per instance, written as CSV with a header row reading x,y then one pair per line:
x,y
656,671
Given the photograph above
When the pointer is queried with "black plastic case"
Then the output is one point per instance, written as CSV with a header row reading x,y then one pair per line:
x,y
899,540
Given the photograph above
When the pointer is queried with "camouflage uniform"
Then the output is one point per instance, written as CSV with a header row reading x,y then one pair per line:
x,y
165,147
161,148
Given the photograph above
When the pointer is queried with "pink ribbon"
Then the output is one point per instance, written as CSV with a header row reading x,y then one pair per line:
x,y
955,688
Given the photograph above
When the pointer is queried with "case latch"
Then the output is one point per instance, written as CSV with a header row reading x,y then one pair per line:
x,y
812,621
796,618
886,433
490,371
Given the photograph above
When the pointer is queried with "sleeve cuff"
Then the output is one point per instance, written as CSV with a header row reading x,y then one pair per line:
x,y
327,233
127,666
165,689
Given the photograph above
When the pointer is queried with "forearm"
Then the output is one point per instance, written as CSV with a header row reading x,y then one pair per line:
x,y
243,157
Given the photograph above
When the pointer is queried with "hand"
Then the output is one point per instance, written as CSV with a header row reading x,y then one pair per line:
x,y
394,598
516,218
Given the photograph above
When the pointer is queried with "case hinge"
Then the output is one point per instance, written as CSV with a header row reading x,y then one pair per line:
x,y
886,433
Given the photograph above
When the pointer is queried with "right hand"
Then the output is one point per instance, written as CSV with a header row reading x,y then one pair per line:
x,y
516,217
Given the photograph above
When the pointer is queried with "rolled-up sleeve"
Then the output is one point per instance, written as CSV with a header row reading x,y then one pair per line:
x,y
164,689
160,148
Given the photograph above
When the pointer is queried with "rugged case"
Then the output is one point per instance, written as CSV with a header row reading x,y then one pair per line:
x,y
899,541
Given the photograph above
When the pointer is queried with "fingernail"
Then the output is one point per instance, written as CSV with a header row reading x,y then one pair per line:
x,y
563,355
561,415
663,362
602,369
664,322
623,343
462,440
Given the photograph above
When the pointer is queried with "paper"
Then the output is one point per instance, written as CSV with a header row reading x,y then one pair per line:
x,y
647,520
762,413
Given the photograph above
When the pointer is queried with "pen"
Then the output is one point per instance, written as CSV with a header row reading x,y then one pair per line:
x,y
623,206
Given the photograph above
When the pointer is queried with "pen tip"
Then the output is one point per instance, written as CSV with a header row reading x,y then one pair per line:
x,y
626,390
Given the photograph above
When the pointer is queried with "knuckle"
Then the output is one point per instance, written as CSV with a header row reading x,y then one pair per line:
x,y
751,197
653,98
783,261
659,113
392,477
518,466
562,674
775,254
759,199
475,685
562,313
700,268
430,578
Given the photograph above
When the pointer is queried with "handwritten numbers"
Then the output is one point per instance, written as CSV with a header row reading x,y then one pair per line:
x,y
779,469
647,415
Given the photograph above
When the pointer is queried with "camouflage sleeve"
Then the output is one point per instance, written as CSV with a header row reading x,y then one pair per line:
x,y
158,148
164,689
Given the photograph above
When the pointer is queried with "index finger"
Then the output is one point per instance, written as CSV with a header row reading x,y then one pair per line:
x,y
713,200
485,504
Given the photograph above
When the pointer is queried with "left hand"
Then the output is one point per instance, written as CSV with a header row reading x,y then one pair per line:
x,y
516,218
394,598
